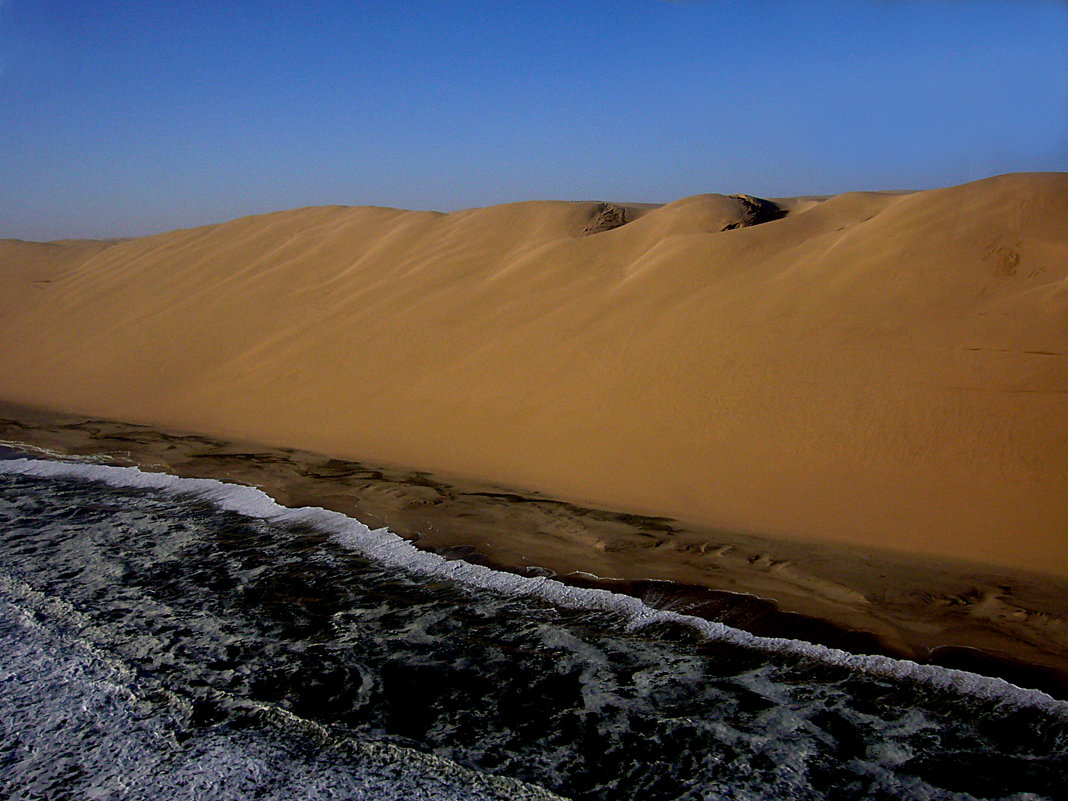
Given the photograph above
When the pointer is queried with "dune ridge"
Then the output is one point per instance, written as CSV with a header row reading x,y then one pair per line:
x,y
879,369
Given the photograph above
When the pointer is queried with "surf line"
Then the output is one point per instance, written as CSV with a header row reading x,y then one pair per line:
x,y
384,547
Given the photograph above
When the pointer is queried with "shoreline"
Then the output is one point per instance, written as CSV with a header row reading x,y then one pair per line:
x,y
873,370
986,619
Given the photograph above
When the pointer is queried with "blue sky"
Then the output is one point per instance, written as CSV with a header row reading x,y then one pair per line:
x,y
123,118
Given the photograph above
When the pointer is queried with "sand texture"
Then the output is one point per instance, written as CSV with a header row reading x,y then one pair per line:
x,y
872,369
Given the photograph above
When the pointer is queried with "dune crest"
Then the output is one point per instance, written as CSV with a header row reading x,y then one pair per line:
x,y
884,369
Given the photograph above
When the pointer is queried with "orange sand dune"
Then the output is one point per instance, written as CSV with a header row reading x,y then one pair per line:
x,y
880,369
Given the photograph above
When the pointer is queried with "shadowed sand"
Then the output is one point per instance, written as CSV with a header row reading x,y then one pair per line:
x,y
871,369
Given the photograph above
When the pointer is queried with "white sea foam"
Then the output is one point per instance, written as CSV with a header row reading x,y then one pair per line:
x,y
76,727
386,548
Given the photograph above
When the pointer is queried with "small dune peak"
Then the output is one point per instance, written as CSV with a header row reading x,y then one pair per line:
x,y
713,214
607,217
756,210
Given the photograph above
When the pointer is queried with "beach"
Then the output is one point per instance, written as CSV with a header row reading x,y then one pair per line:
x,y
573,402
853,407
995,621
873,369
761,498
165,632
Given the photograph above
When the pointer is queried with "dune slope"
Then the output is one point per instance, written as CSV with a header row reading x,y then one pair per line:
x,y
882,369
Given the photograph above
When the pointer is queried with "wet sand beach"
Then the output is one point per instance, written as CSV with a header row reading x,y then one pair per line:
x,y
994,621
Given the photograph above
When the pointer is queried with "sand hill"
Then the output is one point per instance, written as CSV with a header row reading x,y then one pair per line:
x,y
886,369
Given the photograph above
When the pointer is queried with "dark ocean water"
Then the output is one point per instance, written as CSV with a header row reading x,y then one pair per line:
x,y
170,638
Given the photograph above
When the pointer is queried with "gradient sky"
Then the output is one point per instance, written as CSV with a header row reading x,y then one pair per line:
x,y
122,118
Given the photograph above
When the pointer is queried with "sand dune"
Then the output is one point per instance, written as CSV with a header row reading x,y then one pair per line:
x,y
884,369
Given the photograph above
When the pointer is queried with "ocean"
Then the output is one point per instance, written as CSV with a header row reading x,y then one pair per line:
x,y
187,638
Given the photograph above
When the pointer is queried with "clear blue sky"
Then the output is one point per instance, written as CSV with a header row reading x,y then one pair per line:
x,y
123,118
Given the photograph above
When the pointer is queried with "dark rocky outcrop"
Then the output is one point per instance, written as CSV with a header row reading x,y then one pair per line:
x,y
757,211
607,217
